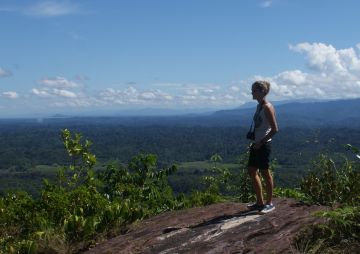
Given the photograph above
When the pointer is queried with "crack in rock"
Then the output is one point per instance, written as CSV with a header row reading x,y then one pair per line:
x,y
215,231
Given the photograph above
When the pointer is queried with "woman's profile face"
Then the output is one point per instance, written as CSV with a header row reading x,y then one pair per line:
x,y
257,92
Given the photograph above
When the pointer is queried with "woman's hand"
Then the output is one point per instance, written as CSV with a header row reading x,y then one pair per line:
x,y
257,146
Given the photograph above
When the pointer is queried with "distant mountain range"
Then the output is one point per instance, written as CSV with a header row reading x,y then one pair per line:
x,y
337,113
325,113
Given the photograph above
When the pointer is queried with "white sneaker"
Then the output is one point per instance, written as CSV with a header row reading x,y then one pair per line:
x,y
267,208
253,207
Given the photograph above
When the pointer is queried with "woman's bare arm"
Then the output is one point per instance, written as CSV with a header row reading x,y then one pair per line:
x,y
270,115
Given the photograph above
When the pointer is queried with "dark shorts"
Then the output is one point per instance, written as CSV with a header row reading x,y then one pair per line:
x,y
260,158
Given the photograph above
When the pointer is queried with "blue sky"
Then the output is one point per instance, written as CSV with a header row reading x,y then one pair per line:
x,y
107,56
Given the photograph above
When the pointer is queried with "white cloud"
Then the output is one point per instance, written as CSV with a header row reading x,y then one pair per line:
x,y
10,95
294,77
40,93
319,91
208,90
147,96
162,95
334,74
235,88
192,91
328,59
58,82
229,97
64,93
130,91
59,89
4,73
132,96
51,8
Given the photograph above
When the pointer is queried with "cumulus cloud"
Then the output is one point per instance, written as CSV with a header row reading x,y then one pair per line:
x,y
132,96
147,96
4,73
64,93
40,93
10,95
58,82
328,59
61,92
335,73
235,88
192,91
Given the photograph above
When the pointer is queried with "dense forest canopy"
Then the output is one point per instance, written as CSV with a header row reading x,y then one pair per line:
x,y
34,150
306,129
25,144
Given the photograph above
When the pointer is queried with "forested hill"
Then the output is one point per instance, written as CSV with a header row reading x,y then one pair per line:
x,y
336,113
307,126
303,114
306,129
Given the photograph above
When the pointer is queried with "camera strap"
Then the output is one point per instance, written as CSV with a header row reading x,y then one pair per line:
x,y
256,112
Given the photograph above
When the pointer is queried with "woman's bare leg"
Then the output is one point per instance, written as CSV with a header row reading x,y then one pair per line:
x,y
256,184
269,185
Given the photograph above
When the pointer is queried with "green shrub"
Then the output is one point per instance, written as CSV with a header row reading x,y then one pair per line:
x,y
223,183
82,206
328,183
341,233
290,193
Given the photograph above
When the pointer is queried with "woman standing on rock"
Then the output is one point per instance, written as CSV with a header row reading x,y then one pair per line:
x,y
265,127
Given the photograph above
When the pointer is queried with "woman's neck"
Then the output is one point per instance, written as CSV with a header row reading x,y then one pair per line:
x,y
262,101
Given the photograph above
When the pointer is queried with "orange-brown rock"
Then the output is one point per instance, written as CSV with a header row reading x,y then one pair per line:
x,y
218,228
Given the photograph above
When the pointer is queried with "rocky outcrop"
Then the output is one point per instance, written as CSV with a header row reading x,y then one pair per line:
x,y
218,228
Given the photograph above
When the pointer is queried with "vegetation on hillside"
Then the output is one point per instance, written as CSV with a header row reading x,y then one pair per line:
x,y
84,206
338,186
31,151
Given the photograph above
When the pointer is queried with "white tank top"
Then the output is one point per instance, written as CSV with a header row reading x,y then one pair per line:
x,y
262,125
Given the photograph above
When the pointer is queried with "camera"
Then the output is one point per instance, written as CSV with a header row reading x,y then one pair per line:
x,y
250,135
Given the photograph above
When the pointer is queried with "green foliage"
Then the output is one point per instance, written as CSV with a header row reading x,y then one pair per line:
x,y
290,193
231,183
327,183
219,176
202,198
80,171
341,233
82,206
24,145
143,186
343,222
241,185
333,185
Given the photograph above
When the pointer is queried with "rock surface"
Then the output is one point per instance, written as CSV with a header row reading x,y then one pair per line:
x,y
218,228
